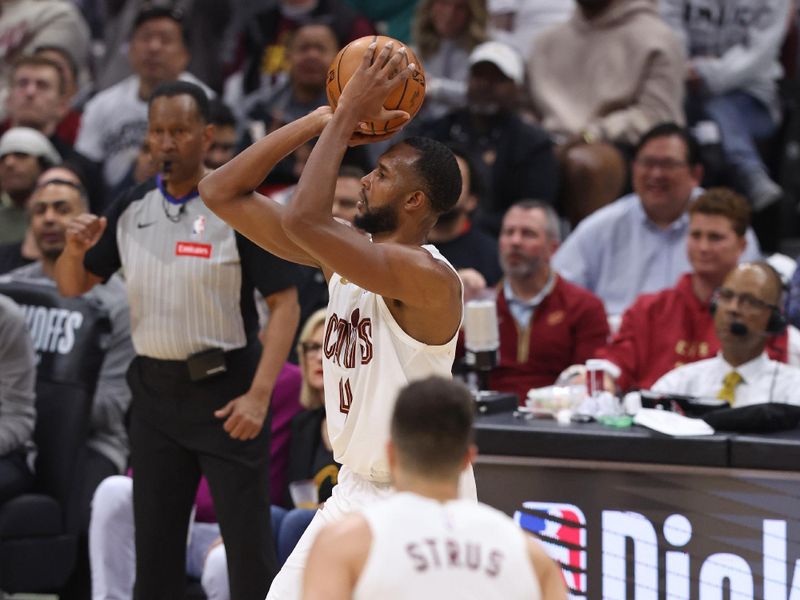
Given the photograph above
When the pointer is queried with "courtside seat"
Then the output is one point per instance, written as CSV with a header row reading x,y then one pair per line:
x,y
39,530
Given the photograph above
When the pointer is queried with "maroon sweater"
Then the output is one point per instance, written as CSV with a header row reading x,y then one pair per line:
x,y
568,327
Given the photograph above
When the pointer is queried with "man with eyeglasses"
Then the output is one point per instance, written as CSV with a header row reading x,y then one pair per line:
x,y
746,316
637,244
672,327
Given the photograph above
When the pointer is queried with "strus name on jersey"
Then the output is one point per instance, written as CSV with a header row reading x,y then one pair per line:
x,y
432,554
348,341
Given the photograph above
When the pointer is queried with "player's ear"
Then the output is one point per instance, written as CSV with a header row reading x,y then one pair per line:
x,y
470,456
416,200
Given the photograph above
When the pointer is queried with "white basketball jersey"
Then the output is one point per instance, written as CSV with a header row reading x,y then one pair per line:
x,y
422,548
367,359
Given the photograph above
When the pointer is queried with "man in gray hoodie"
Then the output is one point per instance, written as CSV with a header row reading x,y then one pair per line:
x,y
17,412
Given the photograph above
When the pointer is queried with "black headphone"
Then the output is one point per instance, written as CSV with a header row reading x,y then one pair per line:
x,y
776,324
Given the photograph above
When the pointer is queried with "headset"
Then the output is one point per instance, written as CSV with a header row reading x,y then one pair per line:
x,y
775,326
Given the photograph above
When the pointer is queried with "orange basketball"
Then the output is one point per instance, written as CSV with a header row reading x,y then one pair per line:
x,y
407,96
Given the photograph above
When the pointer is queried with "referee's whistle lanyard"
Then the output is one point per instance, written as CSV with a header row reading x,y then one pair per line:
x,y
180,200
168,199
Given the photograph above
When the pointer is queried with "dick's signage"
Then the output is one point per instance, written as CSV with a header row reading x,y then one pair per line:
x,y
658,536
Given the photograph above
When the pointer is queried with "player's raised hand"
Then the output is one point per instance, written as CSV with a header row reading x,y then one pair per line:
x,y
83,232
373,81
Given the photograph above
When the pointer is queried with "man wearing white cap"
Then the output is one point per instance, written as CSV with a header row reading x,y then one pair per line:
x,y
514,159
24,155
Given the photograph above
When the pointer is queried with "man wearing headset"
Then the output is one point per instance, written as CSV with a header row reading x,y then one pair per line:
x,y
746,315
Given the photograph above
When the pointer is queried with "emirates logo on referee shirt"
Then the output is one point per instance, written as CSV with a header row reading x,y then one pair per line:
x,y
193,249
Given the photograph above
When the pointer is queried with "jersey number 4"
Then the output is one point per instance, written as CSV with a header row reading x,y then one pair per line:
x,y
345,396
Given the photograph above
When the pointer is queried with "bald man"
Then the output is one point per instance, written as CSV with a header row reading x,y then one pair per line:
x,y
746,315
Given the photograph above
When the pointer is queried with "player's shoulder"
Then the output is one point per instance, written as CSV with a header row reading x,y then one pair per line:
x,y
351,536
437,260
354,524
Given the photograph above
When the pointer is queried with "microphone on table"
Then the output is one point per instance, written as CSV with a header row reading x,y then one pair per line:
x,y
481,339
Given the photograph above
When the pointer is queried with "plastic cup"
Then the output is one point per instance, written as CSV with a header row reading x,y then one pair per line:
x,y
595,374
304,493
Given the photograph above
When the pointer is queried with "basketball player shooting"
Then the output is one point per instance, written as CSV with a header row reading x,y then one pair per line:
x,y
395,303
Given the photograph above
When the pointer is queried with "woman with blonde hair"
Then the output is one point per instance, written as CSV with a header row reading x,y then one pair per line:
x,y
443,34
309,343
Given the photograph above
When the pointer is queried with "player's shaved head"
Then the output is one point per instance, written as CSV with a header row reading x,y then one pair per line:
x,y
431,426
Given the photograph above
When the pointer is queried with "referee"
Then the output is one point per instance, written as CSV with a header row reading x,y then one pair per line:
x,y
201,383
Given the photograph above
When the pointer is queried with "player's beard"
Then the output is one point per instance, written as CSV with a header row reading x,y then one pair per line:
x,y
379,220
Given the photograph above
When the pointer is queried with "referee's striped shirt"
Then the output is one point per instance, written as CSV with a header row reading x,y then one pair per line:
x,y
190,277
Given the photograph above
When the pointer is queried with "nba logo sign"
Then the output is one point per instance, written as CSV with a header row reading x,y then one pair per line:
x,y
562,530
198,227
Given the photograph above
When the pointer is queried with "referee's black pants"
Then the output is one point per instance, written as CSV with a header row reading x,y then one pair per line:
x,y
174,438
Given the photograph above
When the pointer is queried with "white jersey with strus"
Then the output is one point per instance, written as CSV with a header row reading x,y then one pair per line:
x,y
367,359
425,549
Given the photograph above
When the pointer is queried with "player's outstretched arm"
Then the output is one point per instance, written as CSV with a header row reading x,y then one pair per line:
x,y
547,571
336,560
230,190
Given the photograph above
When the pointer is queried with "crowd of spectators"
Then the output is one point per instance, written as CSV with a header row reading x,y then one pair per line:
x,y
618,160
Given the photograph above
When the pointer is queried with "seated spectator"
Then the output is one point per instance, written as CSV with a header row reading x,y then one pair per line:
x,y
666,329
637,245
444,33
310,454
67,130
309,52
514,159
25,26
747,313
266,34
546,323
114,122
470,250
734,66
19,254
598,82
24,155
37,97
17,409
223,142
519,22
53,204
